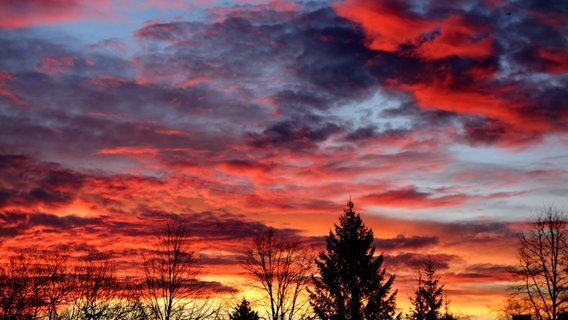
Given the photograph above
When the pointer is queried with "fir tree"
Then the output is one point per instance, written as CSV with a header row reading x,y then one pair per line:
x,y
351,283
428,301
419,308
244,312
447,314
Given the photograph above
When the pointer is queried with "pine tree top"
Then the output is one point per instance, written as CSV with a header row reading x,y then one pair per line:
x,y
351,226
244,312
428,301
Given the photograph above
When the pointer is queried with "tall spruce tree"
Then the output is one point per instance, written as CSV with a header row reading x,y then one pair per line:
x,y
428,301
244,312
351,283
419,308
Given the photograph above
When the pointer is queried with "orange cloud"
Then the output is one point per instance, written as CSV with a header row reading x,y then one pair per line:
x,y
190,82
143,150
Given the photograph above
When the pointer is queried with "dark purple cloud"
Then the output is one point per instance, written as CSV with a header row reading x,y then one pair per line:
x,y
404,242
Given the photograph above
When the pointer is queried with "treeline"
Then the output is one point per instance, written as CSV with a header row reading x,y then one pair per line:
x,y
52,286
345,281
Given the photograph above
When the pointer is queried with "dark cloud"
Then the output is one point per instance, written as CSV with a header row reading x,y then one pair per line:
x,y
209,225
17,223
209,260
214,288
168,31
291,134
335,55
373,133
485,272
404,242
490,269
27,183
413,198
313,61
414,261
482,131
482,232
556,6
324,51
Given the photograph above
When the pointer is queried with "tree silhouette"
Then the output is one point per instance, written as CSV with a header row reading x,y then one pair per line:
x,y
19,290
171,278
282,268
543,253
171,274
428,300
513,306
351,283
244,312
418,308
57,282
97,290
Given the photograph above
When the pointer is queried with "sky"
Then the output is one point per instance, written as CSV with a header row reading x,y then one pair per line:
x,y
445,122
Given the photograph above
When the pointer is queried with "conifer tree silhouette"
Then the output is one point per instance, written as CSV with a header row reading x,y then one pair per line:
x,y
418,307
244,312
428,301
351,283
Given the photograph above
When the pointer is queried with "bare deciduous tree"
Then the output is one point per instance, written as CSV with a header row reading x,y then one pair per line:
x,y
56,282
282,269
171,278
19,290
512,306
543,254
97,291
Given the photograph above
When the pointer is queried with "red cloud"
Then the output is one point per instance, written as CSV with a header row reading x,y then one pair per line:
x,y
412,198
20,14
387,23
239,167
143,150
56,64
477,101
503,103
458,37
555,60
